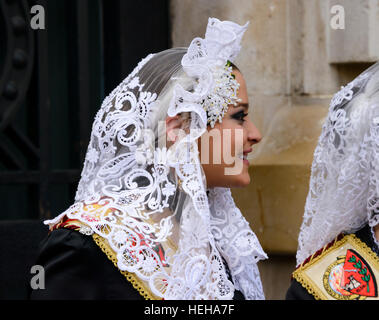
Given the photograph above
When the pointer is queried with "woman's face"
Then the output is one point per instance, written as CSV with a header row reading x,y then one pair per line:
x,y
224,148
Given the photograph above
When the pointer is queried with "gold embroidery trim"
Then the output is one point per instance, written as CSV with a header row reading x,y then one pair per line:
x,y
102,243
308,283
137,283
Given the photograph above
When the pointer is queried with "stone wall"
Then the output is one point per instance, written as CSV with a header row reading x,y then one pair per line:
x,y
296,54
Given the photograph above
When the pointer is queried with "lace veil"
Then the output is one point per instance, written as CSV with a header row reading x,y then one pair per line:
x,y
344,186
150,202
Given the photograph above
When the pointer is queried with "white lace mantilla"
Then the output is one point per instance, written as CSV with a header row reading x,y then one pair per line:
x,y
150,203
343,192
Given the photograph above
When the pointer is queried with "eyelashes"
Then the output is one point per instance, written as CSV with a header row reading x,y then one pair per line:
x,y
240,116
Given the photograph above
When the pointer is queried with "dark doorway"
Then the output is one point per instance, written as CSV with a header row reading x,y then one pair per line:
x,y
52,82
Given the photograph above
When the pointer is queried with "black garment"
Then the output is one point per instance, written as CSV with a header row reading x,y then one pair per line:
x,y
77,269
297,292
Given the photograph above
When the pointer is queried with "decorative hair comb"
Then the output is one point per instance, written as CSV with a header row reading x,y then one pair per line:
x,y
208,62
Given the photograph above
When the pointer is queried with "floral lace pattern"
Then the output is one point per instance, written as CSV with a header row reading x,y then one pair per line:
x,y
150,203
237,243
343,192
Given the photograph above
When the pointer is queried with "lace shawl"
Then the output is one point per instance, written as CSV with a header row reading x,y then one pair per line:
x,y
344,186
150,203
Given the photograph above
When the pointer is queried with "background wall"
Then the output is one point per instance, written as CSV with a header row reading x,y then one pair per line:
x,y
293,58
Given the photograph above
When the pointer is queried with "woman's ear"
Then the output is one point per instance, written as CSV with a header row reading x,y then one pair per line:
x,y
173,125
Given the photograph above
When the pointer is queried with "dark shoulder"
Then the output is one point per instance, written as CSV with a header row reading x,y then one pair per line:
x,y
76,268
65,246
66,239
297,292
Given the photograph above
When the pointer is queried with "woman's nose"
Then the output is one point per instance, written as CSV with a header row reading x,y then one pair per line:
x,y
254,136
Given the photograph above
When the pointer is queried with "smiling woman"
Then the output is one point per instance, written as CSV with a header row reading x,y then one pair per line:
x,y
224,161
157,212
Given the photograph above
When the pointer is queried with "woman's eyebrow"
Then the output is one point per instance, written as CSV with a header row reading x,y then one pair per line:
x,y
245,105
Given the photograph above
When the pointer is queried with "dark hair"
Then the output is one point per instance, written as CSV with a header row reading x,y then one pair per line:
x,y
231,64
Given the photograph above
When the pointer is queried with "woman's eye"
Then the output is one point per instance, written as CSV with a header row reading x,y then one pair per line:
x,y
240,116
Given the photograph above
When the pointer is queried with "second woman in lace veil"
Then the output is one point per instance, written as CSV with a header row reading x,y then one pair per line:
x,y
341,218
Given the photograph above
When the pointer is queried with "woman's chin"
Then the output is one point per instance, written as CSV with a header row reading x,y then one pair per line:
x,y
238,181
243,181
218,178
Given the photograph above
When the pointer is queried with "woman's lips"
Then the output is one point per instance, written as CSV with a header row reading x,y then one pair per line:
x,y
244,156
